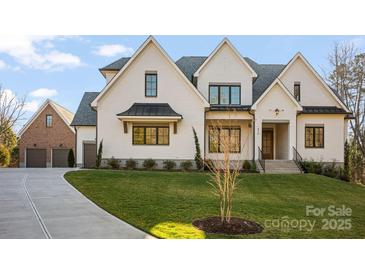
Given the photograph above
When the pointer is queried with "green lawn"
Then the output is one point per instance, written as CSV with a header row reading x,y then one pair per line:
x,y
165,203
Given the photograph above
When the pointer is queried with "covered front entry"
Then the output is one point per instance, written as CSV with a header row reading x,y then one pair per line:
x,y
275,141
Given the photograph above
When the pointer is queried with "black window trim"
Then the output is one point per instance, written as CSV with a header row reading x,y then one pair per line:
x,y
228,127
230,94
314,135
49,115
297,84
145,83
144,135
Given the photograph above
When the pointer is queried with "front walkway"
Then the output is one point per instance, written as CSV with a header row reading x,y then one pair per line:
x,y
39,203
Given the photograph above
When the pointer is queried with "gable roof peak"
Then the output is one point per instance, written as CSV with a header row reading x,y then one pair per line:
x,y
236,52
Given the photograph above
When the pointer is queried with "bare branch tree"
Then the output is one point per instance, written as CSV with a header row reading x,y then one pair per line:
x,y
347,77
11,110
225,165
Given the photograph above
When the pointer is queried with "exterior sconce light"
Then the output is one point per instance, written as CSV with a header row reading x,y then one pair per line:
x,y
249,125
34,145
277,111
60,145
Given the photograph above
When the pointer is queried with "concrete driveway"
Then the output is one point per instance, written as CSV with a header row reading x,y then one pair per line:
x,y
39,203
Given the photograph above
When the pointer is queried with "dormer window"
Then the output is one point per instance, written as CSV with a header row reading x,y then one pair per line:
x,y
297,91
151,84
225,94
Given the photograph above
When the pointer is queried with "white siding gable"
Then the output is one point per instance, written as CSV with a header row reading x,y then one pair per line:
x,y
313,92
129,88
225,67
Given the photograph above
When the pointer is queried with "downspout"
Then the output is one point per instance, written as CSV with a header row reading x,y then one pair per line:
x,y
253,134
205,115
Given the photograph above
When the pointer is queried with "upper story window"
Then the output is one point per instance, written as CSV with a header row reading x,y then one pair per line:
x,y
225,94
297,91
314,137
49,120
151,84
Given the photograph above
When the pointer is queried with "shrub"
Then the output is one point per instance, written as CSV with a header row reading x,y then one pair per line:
x,y
330,170
186,165
130,164
253,166
168,164
14,157
313,167
246,165
71,158
99,155
149,163
4,156
198,158
113,163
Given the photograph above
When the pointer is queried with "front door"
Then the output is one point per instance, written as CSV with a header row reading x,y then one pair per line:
x,y
268,144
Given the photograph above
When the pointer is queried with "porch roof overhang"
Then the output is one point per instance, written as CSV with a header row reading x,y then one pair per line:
x,y
230,108
150,112
323,110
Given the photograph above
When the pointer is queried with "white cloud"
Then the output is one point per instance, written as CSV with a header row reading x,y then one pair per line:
x,y
31,106
113,49
44,93
31,51
3,64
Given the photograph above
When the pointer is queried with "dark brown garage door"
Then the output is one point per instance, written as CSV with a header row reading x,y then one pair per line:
x,y
36,157
89,155
60,157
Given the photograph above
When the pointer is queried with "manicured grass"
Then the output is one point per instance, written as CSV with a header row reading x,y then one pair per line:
x,y
164,204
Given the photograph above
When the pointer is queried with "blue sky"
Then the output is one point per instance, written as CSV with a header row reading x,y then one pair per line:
x,y
64,67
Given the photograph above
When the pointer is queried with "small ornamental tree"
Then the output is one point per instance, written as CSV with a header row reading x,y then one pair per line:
x,y
4,156
224,166
198,158
71,158
99,155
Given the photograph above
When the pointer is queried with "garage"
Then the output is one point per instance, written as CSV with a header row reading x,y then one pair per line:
x,y
36,157
60,157
89,155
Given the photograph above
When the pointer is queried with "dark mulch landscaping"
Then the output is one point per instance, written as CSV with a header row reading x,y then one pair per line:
x,y
235,227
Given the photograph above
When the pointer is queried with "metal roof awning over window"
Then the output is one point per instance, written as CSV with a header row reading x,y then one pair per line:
x,y
323,110
150,111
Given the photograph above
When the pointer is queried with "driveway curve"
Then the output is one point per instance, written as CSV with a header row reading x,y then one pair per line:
x,y
39,203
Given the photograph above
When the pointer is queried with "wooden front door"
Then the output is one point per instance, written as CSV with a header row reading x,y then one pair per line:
x,y
267,144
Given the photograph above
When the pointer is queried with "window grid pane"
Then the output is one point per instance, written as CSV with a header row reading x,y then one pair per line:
x,y
224,95
163,136
151,84
213,95
235,95
151,137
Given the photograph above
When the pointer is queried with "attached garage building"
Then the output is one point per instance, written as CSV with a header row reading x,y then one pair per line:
x,y
47,138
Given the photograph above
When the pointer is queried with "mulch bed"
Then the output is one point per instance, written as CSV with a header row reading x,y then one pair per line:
x,y
235,227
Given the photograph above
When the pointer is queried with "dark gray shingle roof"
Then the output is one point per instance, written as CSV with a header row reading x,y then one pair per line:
x,y
85,115
190,64
323,110
117,65
149,109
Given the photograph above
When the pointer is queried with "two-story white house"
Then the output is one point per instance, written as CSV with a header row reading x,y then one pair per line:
x,y
150,104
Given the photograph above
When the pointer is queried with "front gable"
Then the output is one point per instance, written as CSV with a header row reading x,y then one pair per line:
x,y
150,57
226,66
37,123
276,103
314,91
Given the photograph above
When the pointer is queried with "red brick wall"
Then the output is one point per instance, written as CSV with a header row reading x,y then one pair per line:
x,y
44,137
